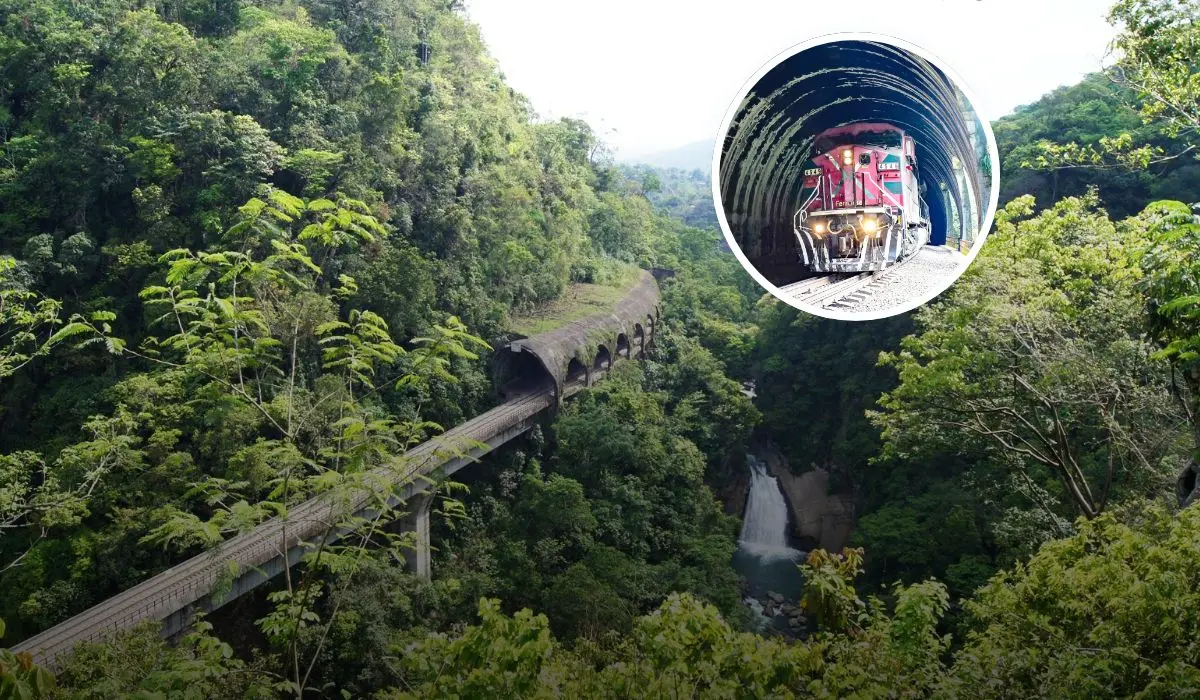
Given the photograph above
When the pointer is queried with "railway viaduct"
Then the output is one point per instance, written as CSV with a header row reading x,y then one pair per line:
x,y
534,376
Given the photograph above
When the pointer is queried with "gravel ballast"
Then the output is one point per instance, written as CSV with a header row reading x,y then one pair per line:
x,y
932,268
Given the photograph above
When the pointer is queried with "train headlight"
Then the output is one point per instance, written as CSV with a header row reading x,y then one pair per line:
x,y
848,157
819,228
870,225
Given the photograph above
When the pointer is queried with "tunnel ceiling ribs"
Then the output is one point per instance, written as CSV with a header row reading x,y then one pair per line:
x,y
770,139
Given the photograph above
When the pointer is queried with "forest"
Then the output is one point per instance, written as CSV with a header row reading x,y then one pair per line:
x,y
251,251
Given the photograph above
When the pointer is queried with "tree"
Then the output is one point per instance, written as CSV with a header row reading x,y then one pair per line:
x,y
1172,288
1093,109
1110,612
1157,52
20,677
32,325
247,327
1038,353
684,648
37,494
140,663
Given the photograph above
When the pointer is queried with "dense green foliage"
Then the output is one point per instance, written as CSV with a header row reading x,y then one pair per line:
x,y
1171,284
683,195
618,514
1037,356
1109,612
1028,396
1072,301
252,251
246,209
1095,108
166,150
816,379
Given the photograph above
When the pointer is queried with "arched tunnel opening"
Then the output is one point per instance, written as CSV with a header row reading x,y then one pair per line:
x,y
603,358
576,372
516,372
1186,485
774,132
622,345
639,336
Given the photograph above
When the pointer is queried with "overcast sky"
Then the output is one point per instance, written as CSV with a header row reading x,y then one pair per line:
x,y
651,75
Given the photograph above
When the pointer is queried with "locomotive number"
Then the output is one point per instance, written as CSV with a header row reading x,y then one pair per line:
x,y
889,166
812,171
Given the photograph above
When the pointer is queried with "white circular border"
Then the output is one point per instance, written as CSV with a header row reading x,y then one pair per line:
x,y
993,153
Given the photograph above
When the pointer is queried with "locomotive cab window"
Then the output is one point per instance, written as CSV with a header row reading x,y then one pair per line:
x,y
865,159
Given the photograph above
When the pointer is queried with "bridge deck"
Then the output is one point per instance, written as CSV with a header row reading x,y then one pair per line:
x,y
191,582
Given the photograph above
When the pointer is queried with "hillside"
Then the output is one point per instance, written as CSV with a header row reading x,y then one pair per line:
x,y
1083,113
693,156
252,252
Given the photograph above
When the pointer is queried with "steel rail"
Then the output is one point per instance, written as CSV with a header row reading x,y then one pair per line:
x,y
839,289
863,286
796,290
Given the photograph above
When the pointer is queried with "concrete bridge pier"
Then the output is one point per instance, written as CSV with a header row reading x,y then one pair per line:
x,y
419,560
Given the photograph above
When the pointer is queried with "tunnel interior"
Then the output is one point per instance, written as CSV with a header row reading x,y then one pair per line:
x,y
770,142
622,345
517,372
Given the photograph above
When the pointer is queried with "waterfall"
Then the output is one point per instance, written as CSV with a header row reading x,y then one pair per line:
x,y
764,528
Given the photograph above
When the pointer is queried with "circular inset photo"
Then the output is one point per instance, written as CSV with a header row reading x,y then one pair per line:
x,y
854,178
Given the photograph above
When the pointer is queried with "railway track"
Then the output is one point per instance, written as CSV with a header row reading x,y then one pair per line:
x,y
191,582
842,291
873,282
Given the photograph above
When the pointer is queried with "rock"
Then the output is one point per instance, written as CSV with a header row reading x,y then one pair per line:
x,y
795,623
818,518
775,597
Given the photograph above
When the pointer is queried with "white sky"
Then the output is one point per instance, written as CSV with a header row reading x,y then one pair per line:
x,y
651,75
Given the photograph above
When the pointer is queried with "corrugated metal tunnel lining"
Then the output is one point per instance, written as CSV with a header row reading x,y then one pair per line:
x,y
770,141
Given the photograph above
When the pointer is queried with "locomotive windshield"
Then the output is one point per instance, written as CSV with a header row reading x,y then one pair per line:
x,y
877,139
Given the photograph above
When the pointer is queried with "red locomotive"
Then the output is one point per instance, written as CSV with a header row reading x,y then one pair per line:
x,y
862,204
